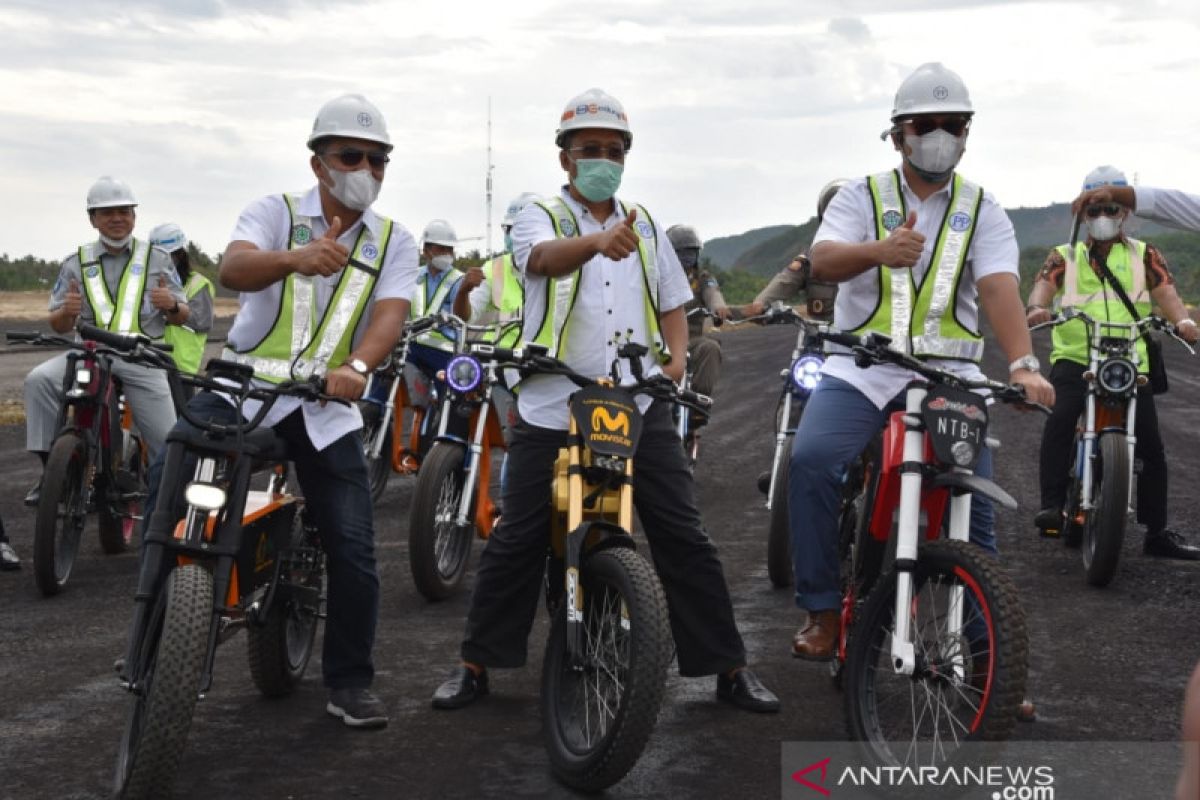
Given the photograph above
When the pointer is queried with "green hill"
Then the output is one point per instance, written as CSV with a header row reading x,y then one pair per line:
x,y
723,251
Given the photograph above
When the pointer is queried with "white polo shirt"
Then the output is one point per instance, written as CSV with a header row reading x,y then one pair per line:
x,y
609,299
266,224
850,218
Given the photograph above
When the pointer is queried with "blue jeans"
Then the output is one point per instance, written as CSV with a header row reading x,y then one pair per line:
x,y
338,501
837,425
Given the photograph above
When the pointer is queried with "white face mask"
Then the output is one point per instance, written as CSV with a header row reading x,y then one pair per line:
x,y
1104,228
936,154
441,263
356,190
117,244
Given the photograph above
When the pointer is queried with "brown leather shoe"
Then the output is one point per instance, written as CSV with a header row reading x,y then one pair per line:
x,y
818,640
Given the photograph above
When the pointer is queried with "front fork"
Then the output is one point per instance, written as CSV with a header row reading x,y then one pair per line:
x,y
475,457
781,434
385,419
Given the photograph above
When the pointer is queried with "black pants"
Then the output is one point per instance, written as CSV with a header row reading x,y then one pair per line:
x,y
1057,455
509,578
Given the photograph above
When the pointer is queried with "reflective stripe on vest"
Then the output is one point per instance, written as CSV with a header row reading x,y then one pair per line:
x,y
295,349
125,316
188,344
552,329
921,319
507,296
1082,289
434,338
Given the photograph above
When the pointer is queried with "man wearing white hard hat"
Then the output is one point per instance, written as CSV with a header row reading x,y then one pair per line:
x,y
325,250
616,265
493,293
1142,273
916,249
123,285
188,339
436,289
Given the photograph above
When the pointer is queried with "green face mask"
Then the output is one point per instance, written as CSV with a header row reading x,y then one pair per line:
x,y
597,179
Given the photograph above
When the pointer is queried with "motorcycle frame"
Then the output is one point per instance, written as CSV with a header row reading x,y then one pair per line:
x,y
485,434
806,342
1107,414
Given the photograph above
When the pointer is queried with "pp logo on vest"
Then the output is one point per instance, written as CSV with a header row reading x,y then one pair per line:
x,y
567,225
301,234
644,229
959,221
370,251
892,220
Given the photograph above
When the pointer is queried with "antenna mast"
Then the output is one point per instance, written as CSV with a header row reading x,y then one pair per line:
x,y
489,177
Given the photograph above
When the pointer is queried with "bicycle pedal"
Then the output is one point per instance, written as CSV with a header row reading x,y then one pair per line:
x,y
1049,533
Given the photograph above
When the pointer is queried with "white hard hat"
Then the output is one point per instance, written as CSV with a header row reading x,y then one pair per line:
x,y
438,231
109,192
932,89
828,192
169,237
353,116
595,108
516,206
1106,175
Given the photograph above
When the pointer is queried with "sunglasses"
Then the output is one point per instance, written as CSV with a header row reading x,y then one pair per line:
x,y
955,126
611,152
351,157
1107,210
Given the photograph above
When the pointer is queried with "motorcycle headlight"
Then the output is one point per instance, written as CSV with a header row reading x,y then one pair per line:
x,y
1116,376
83,376
463,374
806,373
205,496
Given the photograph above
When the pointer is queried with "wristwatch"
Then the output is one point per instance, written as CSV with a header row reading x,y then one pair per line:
x,y
1029,362
359,366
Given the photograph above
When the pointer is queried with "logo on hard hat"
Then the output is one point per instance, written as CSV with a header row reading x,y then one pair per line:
x,y
568,114
301,234
940,93
960,221
581,109
892,220
370,251
364,119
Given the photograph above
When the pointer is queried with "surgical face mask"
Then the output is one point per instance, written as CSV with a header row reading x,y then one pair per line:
x,y
118,244
356,190
1104,228
441,263
936,154
597,179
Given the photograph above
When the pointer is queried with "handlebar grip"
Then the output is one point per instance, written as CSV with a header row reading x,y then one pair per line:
x,y
844,339
22,336
117,341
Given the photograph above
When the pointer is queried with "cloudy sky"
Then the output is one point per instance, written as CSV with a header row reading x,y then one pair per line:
x,y
741,109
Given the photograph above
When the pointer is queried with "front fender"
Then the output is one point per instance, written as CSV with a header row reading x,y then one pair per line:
x,y
975,485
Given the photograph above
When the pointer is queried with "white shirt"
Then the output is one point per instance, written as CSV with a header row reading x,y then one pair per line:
x,y
1168,205
266,224
609,299
850,218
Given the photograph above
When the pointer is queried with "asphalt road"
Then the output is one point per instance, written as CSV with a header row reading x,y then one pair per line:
x,y
1105,664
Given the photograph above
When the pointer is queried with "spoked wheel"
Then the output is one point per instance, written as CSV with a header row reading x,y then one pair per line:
x,y
379,468
861,555
779,535
61,514
597,716
171,660
968,680
279,647
1104,533
120,505
438,548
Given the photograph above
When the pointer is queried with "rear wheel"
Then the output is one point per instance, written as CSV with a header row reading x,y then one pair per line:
x,y
438,548
598,716
1104,533
171,666
61,513
779,536
968,680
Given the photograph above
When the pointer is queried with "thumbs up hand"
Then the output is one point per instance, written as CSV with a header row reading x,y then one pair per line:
x,y
161,297
322,256
620,240
73,302
903,246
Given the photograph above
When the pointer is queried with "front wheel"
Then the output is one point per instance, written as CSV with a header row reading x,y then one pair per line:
x,y
379,468
171,663
1104,533
968,680
61,513
438,548
598,714
779,535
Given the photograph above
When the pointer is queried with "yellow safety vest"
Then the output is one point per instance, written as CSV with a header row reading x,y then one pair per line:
x,y
125,315
921,319
507,295
299,345
1083,289
188,344
420,308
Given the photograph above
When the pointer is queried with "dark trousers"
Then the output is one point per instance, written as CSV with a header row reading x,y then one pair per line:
x,y
705,355
1070,392
509,578
338,501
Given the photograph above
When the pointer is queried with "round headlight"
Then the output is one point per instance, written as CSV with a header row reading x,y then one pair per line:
x,y
963,452
806,373
1116,376
463,374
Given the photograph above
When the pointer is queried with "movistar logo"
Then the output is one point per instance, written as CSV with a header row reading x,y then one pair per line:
x,y
601,419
